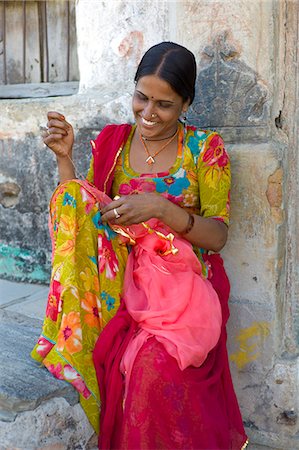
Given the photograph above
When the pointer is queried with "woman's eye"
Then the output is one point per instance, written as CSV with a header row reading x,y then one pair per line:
x,y
164,105
141,97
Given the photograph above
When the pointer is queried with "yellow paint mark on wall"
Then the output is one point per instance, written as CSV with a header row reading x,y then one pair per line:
x,y
250,340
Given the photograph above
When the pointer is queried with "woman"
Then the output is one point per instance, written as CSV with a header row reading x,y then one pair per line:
x,y
161,362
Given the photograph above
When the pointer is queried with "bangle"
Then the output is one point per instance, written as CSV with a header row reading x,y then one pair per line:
x,y
189,225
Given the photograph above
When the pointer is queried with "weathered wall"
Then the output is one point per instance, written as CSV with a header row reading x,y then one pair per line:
x,y
28,173
248,89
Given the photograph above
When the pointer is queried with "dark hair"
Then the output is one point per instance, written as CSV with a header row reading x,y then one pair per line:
x,y
172,63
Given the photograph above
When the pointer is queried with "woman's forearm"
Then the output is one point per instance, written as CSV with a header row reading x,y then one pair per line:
x,y
206,233
127,210
66,169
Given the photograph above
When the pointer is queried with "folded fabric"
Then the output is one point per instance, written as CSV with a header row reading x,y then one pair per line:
x,y
166,295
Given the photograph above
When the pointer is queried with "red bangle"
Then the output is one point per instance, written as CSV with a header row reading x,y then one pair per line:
x,y
189,225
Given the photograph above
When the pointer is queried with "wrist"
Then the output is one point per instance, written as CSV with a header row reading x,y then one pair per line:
x,y
62,159
66,169
188,226
65,163
177,218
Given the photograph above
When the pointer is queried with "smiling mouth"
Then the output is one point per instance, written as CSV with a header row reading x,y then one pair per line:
x,y
147,122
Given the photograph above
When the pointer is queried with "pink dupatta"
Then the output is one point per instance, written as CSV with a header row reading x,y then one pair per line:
x,y
166,295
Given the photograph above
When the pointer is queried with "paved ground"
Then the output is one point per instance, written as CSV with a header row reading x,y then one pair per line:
x,y
27,299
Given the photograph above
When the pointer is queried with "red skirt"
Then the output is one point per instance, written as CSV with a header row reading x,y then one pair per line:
x,y
167,408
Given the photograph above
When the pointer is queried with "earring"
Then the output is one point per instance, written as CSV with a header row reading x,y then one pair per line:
x,y
183,117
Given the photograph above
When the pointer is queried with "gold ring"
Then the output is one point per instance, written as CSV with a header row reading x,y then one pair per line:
x,y
116,213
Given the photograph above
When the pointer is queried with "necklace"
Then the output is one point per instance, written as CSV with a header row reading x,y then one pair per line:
x,y
151,158
156,140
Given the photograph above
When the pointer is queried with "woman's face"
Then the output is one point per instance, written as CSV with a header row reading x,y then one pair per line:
x,y
156,107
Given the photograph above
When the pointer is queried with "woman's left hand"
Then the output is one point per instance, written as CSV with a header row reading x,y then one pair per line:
x,y
134,208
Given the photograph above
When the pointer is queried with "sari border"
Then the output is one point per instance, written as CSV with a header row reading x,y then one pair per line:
x,y
245,444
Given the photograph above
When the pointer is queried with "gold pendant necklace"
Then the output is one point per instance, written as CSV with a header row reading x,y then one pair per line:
x,y
151,158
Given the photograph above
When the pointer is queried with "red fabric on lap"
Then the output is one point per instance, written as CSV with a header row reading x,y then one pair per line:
x,y
107,355
167,408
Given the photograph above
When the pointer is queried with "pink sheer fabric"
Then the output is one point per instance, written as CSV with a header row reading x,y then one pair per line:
x,y
166,295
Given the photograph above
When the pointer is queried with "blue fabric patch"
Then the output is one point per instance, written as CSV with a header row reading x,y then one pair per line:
x,y
110,301
68,199
100,226
93,259
174,186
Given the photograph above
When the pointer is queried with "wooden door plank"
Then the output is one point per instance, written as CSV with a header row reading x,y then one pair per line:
x,y
73,54
2,74
43,40
32,60
14,41
57,11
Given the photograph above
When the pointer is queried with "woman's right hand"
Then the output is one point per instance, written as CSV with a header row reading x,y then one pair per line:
x,y
59,136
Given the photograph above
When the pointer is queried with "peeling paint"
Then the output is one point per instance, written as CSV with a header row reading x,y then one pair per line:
x,y
287,418
9,194
250,340
23,264
133,42
274,195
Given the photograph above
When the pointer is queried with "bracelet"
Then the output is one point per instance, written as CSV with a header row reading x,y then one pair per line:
x,y
189,225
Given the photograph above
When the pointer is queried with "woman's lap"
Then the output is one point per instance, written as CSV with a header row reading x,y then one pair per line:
x,y
169,408
165,407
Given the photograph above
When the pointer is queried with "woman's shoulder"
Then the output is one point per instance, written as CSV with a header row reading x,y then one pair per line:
x,y
114,129
199,140
201,134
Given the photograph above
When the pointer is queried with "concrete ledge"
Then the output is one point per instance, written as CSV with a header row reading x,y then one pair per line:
x,y
54,425
23,383
37,411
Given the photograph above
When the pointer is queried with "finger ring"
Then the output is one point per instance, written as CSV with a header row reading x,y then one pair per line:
x,y
116,213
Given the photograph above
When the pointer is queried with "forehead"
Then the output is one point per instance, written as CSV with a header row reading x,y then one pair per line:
x,y
154,87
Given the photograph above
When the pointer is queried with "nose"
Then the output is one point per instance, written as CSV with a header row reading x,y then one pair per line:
x,y
149,111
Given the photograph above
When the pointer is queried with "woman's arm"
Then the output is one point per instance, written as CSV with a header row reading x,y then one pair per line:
x,y
66,169
207,233
60,138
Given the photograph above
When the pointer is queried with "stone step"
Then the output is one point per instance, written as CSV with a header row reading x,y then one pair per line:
x,y
29,299
37,411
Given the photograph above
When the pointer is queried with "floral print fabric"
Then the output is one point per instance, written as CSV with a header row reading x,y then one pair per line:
x,y
87,276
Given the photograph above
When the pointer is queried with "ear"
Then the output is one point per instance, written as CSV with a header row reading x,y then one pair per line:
x,y
185,106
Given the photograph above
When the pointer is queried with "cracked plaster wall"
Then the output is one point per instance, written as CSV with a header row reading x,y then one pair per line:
x,y
250,39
